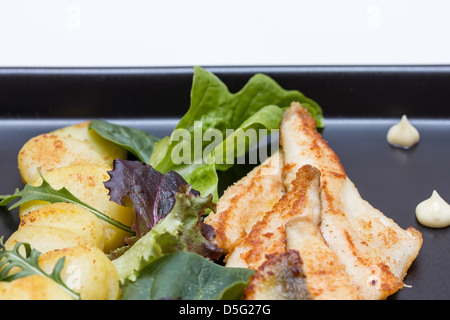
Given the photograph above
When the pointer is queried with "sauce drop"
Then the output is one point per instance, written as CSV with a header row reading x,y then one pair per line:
x,y
403,134
434,212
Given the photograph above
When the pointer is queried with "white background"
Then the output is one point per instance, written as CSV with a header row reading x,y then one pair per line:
x,y
231,32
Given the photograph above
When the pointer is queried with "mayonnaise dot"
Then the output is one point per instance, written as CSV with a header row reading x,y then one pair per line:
x,y
434,212
403,134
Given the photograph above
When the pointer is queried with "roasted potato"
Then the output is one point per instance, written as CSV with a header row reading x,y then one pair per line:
x,y
69,216
78,159
46,238
106,149
72,145
35,287
87,270
86,183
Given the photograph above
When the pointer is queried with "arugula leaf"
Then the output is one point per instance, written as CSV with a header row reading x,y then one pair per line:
x,y
136,141
29,265
45,192
187,276
181,230
258,105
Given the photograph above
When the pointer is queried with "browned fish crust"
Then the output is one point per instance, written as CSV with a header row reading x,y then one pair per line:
x,y
268,234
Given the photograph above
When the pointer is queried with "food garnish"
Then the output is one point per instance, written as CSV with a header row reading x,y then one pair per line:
x,y
434,212
403,134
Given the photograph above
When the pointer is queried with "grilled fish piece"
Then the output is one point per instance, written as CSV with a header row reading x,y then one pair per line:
x,y
326,278
280,277
246,202
374,250
268,234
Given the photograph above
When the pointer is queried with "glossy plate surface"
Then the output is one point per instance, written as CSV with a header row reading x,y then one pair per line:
x,y
359,104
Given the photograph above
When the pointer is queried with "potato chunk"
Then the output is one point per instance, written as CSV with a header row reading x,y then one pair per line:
x,y
87,270
106,149
33,287
72,145
68,216
46,238
86,183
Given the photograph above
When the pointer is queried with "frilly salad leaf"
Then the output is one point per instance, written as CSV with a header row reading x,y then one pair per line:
x,y
151,192
258,105
187,276
169,214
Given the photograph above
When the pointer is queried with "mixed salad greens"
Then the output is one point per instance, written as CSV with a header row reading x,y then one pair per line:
x,y
169,253
259,104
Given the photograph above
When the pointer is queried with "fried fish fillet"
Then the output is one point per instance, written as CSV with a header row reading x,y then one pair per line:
x,y
374,250
246,202
268,234
326,278
280,277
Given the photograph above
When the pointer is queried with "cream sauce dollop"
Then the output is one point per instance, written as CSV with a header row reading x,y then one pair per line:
x,y
434,212
403,134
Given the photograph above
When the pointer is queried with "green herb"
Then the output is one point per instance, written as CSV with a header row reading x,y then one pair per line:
x,y
45,192
136,141
29,265
187,276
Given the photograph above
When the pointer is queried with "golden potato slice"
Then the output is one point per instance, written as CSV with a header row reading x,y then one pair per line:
x,y
49,151
107,150
87,270
86,183
72,145
46,238
70,217
33,287
29,206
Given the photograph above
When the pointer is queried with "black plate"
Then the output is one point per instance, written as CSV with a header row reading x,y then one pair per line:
x,y
360,103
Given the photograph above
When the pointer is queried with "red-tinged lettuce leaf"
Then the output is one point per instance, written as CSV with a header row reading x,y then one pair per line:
x,y
182,230
151,192
154,195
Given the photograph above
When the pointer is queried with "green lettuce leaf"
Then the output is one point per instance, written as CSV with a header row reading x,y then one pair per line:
x,y
187,276
179,230
258,105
